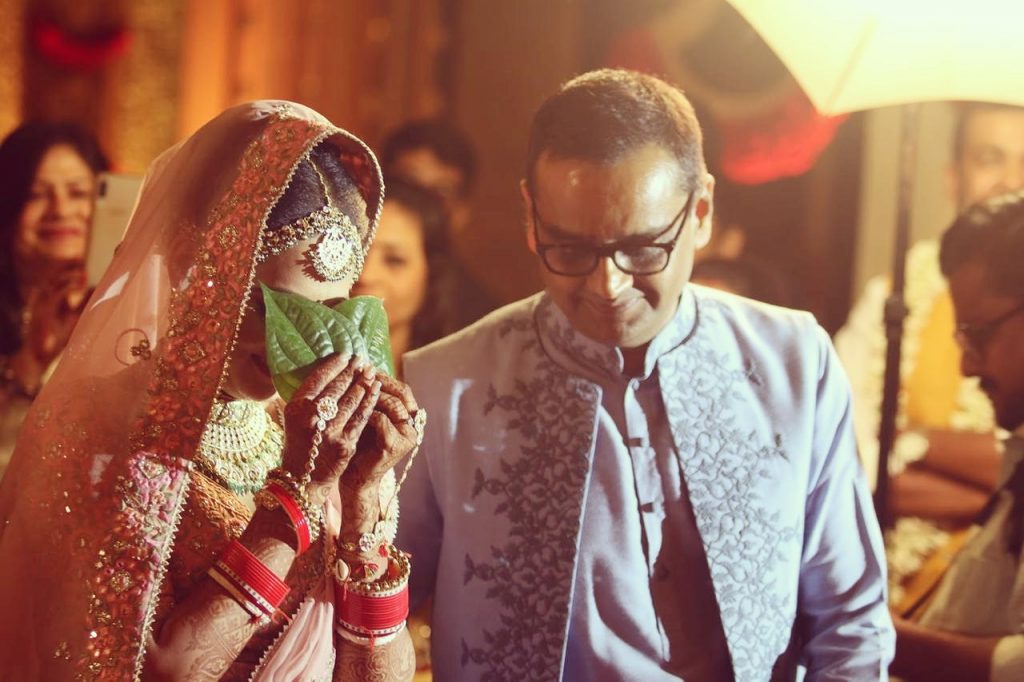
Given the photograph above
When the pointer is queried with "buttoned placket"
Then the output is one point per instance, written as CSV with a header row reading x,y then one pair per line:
x,y
670,548
641,402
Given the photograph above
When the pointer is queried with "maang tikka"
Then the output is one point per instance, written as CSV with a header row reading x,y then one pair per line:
x,y
337,255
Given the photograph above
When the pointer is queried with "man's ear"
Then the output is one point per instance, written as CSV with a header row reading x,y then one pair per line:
x,y
531,233
705,211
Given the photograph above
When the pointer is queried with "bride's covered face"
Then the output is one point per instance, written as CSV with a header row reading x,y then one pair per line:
x,y
248,376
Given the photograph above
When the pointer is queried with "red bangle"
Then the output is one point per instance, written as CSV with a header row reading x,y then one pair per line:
x,y
257,583
295,514
372,615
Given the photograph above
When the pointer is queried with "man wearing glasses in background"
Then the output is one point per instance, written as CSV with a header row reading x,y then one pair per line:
x,y
630,477
972,627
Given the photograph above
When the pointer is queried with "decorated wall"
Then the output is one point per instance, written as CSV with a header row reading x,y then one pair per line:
x,y
110,66
143,74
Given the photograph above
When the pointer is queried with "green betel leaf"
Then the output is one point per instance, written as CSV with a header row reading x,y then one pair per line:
x,y
368,314
300,332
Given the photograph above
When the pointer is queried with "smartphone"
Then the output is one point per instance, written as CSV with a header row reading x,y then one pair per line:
x,y
116,195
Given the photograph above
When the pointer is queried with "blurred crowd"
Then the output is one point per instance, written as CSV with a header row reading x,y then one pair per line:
x,y
947,462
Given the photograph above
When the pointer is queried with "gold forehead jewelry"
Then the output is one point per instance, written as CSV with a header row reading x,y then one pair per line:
x,y
337,255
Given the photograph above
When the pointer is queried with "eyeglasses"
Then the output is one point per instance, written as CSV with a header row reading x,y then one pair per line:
x,y
975,338
629,256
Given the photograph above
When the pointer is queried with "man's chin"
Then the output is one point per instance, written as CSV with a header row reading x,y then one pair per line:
x,y
621,334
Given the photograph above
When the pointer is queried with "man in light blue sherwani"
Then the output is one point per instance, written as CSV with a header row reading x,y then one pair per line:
x,y
627,477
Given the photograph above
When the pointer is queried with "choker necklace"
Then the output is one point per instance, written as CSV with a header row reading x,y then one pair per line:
x,y
240,445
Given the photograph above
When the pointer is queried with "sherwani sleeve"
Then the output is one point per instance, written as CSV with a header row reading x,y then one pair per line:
x,y
845,624
858,349
421,524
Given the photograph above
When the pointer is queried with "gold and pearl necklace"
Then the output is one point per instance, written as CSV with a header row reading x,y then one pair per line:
x,y
240,445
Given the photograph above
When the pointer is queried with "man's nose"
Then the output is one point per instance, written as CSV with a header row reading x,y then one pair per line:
x,y
1012,178
608,281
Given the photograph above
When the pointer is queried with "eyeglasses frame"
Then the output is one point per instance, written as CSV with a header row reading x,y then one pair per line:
x,y
975,337
609,250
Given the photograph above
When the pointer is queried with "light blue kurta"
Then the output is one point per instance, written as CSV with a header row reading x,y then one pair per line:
x,y
625,607
759,418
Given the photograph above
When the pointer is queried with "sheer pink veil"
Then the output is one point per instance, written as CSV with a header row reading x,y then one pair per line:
x,y
90,502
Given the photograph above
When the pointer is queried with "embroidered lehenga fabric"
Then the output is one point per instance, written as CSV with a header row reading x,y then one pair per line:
x,y
104,519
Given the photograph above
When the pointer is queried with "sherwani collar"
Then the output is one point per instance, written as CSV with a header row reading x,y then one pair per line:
x,y
600,362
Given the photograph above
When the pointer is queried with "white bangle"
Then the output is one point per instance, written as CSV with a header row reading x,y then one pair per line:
x,y
367,641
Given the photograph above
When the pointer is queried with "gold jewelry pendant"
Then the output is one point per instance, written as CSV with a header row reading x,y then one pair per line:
x,y
240,445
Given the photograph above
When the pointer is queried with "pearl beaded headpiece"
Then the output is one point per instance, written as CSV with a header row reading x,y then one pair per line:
x,y
336,255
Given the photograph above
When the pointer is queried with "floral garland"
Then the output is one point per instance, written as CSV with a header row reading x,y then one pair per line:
x,y
911,541
924,284
80,53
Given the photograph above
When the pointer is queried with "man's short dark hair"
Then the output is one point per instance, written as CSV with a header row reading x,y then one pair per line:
x,y
449,144
603,115
992,234
964,112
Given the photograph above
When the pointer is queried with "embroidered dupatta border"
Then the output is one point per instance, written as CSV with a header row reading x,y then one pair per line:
x,y
189,368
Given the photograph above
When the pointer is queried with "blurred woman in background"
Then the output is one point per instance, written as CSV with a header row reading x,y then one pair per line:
x,y
409,267
49,173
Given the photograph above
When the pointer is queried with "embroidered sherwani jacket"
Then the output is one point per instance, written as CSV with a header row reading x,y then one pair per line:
x,y
759,412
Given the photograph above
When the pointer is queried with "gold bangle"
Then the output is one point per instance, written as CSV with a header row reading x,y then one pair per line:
x,y
384,586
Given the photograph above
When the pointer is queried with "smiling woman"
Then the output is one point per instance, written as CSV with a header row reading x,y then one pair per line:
x,y
48,172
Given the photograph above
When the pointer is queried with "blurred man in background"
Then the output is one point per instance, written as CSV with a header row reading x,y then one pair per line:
x,y
946,423
972,626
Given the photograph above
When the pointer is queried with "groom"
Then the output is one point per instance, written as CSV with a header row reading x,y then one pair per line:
x,y
627,476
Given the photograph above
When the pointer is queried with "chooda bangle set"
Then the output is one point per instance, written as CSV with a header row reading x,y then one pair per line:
x,y
249,582
284,491
277,496
373,613
369,612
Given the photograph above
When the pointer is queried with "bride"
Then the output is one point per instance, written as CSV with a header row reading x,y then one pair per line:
x,y
166,515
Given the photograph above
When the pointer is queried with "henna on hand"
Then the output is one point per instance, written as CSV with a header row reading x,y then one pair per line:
x,y
389,437
392,662
203,634
348,382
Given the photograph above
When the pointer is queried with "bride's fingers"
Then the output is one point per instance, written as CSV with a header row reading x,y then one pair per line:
x,y
333,369
359,416
348,402
395,410
349,392
387,435
400,390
